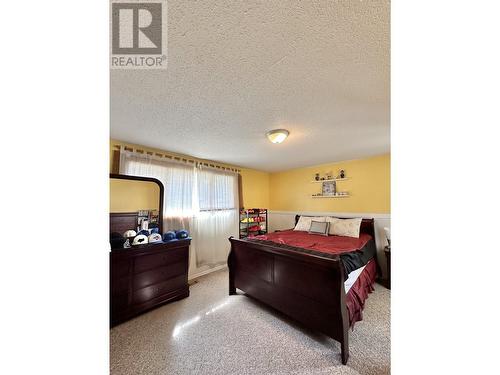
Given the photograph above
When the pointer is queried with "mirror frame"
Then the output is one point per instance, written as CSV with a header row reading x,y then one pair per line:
x,y
146,179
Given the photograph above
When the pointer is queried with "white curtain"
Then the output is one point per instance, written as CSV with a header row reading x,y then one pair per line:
x,y
178,180
203,201
217,216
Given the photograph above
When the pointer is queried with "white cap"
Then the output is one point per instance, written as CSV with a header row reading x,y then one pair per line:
x,y
141,239
155,237
130,233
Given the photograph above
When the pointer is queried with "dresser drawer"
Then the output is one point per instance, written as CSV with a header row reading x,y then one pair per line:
x,y
147,276
147,262
157,275
157,290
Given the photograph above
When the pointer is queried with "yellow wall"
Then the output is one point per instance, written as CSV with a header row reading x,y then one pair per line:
x,y
131,196
369,186
255,188
254,184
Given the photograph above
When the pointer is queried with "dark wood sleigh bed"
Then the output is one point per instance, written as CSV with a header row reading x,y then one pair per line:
x,y
306,287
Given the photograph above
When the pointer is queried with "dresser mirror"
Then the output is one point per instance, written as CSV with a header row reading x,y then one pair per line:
x,y
136,203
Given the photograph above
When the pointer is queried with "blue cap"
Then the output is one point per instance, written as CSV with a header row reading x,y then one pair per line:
x,y
169,236
182,234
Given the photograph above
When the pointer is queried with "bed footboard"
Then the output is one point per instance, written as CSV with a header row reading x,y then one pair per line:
x,y
305,287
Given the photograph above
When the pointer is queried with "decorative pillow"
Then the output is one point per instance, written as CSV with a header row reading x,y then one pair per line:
x,y
344,227
318,227
304,222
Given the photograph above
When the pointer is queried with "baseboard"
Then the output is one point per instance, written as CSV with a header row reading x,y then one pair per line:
x,y
206,272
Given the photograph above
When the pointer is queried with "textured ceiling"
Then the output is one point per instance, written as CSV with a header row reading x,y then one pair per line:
x,y
236,69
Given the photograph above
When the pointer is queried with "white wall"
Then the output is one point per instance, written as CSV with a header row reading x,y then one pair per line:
x,y
279,220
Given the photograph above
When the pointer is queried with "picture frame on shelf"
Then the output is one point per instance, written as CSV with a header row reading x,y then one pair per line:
x,y
329,188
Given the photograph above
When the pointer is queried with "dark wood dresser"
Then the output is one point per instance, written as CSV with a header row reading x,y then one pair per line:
x,y
147,276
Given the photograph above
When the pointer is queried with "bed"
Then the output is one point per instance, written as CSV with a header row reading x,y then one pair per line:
x,y
304,283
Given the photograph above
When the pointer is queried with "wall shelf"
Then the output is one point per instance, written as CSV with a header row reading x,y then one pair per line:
x,y
333,179
330,196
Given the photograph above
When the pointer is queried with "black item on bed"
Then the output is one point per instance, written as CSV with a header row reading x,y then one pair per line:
x,y
356,259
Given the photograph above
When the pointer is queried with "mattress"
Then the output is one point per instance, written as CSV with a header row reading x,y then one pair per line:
x,y
351,279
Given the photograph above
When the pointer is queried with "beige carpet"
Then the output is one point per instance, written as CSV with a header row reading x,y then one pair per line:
x,y
213,333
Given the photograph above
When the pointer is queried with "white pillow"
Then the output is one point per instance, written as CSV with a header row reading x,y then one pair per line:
x,y
344,227
304,222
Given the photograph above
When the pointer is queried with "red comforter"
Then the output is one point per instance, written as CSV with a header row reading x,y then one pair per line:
x,y
357,295
324,244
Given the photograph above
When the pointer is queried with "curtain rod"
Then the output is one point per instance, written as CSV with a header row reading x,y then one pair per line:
x,y
178,158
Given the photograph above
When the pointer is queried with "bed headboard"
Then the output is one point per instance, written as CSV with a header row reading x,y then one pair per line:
x,y
367,225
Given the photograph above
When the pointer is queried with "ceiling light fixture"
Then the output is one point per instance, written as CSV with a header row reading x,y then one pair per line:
x,y
277,135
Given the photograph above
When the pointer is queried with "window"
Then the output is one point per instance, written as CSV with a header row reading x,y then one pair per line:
x,y
203,201
216,190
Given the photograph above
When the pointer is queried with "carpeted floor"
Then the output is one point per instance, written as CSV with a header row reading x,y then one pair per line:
x,y
213,333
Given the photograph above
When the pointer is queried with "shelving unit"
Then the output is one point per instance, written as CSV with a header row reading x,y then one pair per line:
x,y
253,222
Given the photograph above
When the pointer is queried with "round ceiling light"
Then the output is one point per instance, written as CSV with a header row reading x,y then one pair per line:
x,y
277,135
